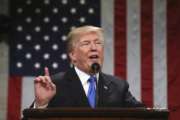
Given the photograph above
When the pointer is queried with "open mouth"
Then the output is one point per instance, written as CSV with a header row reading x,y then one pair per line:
x,y
94,57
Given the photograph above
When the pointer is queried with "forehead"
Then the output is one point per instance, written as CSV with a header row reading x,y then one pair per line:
x,y
89,36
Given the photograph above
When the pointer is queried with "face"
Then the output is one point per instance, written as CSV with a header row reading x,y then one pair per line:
x,y
87,50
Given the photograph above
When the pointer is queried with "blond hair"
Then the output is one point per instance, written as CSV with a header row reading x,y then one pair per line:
x,y
74,35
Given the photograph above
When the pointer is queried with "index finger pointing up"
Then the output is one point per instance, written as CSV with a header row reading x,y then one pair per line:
x,y
46,71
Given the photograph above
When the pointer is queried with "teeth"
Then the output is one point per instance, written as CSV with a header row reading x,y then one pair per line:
x,y
94,56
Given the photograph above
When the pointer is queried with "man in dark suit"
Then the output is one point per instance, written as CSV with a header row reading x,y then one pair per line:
x,y
72,88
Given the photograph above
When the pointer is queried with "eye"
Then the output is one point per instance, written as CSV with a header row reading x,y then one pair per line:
x,y
98,42
85,43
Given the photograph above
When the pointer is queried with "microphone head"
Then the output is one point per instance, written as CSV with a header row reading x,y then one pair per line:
x,y
95,67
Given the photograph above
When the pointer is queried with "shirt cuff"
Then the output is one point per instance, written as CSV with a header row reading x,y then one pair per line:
x,y
40,107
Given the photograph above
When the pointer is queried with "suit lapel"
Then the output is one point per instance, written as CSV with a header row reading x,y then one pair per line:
x,y
76,88
105,89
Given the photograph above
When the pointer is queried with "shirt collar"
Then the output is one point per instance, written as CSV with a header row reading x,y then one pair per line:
x,y
84,76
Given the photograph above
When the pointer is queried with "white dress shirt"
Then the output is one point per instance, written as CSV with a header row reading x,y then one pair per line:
x,y
84,79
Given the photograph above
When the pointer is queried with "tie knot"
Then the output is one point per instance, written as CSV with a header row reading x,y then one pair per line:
x,y
92,79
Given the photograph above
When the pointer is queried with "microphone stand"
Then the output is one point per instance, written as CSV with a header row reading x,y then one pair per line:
x,y
96,68
97,91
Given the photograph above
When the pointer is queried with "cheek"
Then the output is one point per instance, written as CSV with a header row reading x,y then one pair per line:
x,y
101,52
80,54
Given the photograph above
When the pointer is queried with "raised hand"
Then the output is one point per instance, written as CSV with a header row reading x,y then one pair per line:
x,y
45,89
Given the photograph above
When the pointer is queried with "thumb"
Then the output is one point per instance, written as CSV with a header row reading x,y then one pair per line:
x,y
46,71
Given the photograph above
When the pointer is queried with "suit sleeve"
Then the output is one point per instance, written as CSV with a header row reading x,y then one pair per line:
x,y
130,100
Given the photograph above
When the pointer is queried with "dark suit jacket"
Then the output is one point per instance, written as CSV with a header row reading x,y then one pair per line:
x,y
112,92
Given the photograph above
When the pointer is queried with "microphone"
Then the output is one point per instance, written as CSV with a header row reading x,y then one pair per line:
x,y
95,67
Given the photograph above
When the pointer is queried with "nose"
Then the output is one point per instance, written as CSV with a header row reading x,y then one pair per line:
x,y
93,46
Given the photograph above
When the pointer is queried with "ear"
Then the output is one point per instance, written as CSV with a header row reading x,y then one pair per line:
x,y
72,56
